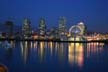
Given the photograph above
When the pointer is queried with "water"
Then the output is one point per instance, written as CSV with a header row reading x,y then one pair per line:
x,y
55,57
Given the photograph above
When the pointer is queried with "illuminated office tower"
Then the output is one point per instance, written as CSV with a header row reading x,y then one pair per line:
x,y
26,28
62,26
42,27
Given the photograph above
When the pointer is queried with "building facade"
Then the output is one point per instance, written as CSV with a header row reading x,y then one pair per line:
x,y
26,28
42,27
62,26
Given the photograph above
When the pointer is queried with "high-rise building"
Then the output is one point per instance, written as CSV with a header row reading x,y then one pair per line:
x,y
26,28
9,25
42,27
62,26
54,32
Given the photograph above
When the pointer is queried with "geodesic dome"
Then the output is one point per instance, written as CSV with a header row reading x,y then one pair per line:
x,y
76,30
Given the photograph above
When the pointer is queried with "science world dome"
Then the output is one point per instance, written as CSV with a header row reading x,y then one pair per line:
x,y
77,32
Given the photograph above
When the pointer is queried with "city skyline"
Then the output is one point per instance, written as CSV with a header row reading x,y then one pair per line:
x,y
93,13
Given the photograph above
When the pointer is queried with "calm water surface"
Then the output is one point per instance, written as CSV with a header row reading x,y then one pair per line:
x,y
55,57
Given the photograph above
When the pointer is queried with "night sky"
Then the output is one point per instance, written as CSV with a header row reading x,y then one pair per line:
x,y
94,13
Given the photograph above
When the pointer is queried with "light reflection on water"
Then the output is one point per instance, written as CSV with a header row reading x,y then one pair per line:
x,y
76,54
75,50
93,48
44,49
62,54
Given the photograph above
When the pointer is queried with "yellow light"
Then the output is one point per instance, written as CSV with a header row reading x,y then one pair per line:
x,y
75,54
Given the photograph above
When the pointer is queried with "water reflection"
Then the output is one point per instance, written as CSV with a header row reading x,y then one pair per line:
x,y
75,51
94,48
44,50
25,50
54,54
41,51
9,53
76,54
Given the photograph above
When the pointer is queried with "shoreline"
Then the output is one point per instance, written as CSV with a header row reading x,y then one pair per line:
x,y
54,40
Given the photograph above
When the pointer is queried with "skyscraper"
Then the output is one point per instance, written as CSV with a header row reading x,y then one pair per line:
x,y
42,27
62,26
26,28
9,25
